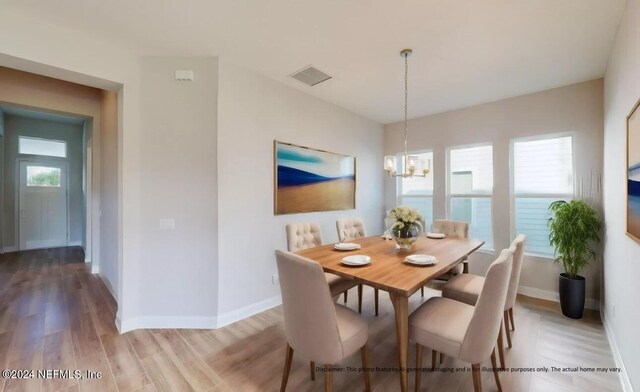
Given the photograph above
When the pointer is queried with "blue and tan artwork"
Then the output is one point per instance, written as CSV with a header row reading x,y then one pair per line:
x,y
309,180
633,178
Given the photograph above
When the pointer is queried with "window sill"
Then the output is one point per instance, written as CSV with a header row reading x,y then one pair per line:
x,y
540,256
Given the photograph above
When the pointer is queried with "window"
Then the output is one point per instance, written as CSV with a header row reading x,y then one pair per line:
x,y
542,172
471,189
35,146
43,176
417,192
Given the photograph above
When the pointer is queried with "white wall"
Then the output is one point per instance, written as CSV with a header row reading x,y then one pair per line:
x,y
577,108
622,254
253,111
71,133
177,285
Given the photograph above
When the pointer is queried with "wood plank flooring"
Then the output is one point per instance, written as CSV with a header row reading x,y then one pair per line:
x,y
55,315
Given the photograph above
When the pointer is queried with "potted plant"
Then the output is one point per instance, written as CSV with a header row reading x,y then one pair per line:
x,y
574,228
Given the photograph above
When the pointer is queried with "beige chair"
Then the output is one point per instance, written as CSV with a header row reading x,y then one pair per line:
x,y
314,327
452,229
307,235
466,288
464,331
350,229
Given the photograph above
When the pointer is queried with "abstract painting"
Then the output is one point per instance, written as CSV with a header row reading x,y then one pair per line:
x,y
308,180
633,173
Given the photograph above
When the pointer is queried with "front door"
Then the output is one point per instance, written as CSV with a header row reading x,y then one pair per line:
x,y
42,209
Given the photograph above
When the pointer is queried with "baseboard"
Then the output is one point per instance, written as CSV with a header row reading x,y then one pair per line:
x,y
109,287
248,311
624,376
166,322
95,269
75,243
9,249
534,292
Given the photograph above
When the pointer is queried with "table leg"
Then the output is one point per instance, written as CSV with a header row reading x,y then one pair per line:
x,y
401,306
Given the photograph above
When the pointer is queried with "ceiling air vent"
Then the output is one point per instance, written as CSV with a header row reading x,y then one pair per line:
x,y
310,76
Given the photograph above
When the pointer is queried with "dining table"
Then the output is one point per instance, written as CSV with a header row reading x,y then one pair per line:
x,y
388,271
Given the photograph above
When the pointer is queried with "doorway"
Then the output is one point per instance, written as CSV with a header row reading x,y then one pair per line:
x,y
43,204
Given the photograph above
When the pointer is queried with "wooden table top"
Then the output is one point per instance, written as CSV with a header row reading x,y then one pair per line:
x,y
387,270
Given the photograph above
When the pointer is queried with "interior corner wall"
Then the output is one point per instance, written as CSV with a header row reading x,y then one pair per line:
x,y
109,190
253,111
177,285
622,254
576,108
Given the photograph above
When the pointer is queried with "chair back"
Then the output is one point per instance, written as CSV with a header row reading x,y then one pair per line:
x,y
303,235
517,248
310,322
482,333
455,229
350,229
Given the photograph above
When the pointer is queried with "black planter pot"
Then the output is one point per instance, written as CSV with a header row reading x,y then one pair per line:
x,y
572,296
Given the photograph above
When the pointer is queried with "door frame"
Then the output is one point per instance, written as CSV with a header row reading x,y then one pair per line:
x,y
16,204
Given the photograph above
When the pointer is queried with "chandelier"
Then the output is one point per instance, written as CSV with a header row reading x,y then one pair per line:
x,y
409,162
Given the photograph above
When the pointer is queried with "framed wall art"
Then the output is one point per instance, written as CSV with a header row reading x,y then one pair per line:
x,y
633,173
310,180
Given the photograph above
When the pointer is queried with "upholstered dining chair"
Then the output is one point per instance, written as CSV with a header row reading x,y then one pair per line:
x,y
307,235
350,229
467,288
463,331
452,229
315,327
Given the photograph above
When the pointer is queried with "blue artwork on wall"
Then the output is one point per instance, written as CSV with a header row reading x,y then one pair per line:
x,y
309,180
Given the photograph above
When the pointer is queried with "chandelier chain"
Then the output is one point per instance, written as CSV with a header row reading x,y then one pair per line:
x,y
406,98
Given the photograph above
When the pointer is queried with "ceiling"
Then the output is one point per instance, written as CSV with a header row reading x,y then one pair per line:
x,y
466,52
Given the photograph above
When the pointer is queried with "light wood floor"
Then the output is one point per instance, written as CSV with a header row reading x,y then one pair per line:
x,y
55,315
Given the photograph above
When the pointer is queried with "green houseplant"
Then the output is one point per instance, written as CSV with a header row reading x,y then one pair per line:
x,y
574,229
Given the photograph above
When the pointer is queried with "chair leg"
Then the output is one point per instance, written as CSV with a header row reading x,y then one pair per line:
x,y
434,353
345,296
422,291
287,368
327,378
494,367
441,358
312,366
365,366
501,349
477,378
359,298
418,365
506,327
375,298
513,325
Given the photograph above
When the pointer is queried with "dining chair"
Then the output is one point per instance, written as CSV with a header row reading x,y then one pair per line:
x,y
315,327
467,288
350,229
307,235
463,331
452,229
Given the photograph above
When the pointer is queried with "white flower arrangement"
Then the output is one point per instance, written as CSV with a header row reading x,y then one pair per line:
x,y
405,217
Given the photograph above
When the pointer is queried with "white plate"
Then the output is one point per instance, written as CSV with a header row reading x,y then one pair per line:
x,y
420,259
356,260
436,235
346,246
